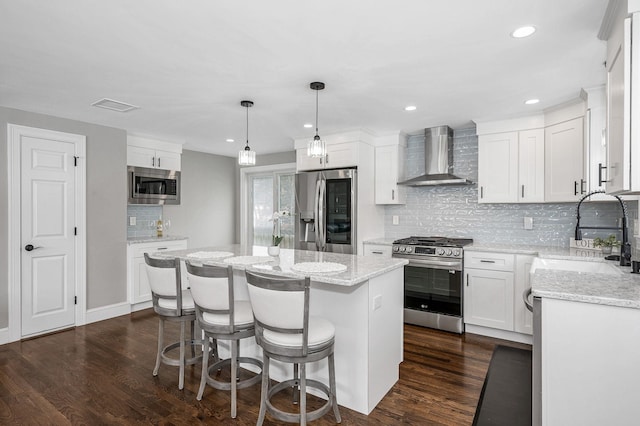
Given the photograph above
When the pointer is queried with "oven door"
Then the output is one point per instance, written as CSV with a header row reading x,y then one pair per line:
x,y
433,286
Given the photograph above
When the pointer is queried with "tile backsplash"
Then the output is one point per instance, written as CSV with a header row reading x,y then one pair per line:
x,y
453,211
146,218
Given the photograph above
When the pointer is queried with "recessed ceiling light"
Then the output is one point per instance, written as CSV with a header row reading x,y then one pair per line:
x,y
308,126
525,31
410,108
531,101
114,105
230,140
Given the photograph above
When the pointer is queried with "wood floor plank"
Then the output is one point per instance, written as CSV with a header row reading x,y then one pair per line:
x,y
102,374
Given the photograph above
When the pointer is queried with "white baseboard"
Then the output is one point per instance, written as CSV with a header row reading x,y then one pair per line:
x,y
106,312
4,336
498,334
142,305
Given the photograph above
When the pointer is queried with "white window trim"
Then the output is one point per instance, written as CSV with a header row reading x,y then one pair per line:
x,y
244,179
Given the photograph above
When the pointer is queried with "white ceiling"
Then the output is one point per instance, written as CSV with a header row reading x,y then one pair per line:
x,y
188,64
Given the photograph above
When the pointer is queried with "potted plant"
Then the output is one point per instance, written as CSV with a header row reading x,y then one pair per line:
x,y
607,244
276,238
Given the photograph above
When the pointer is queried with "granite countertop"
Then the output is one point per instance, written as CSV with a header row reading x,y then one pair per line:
x,y
358,268
381,241
141,240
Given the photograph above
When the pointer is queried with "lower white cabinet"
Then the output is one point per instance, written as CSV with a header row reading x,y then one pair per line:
x,y
377,250
137,282
493,287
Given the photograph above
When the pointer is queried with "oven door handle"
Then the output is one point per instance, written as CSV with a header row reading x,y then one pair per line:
x,y
437,264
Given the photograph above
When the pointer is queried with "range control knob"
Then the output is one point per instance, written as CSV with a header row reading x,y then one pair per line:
x,y
409,249
440,252
395,248
402,249
456,252
449,252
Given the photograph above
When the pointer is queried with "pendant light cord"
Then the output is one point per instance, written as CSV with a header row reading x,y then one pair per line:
x,y
247,108
317,112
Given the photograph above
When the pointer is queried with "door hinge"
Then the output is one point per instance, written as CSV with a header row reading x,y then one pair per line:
x,y
75,161
75,230
75,300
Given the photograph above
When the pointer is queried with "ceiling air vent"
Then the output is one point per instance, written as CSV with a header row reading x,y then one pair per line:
x,y
114,105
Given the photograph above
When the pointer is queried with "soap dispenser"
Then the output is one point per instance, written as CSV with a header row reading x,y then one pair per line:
x,y
159,227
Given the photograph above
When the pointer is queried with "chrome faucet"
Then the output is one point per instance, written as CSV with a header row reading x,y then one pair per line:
x,y
625,248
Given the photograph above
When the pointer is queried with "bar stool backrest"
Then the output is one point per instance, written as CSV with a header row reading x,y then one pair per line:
x,y
165,283
280,305
212,290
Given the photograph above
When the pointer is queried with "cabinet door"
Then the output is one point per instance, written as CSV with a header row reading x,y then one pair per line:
x,y
564,161
341,155
387,174
531,166
377,250
141,291
168,160
498,168
523,318
304,162
140,157
488,298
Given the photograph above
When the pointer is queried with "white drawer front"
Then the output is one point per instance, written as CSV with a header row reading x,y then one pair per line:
x,y
377,250
140,249
486,260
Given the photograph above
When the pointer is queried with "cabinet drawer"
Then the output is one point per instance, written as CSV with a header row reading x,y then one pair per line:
x,y
140,249
377,250
492,261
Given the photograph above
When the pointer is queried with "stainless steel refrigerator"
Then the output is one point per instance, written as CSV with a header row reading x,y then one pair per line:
x,y
326,208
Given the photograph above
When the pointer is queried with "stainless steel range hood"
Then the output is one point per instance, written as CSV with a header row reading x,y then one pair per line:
x,y
438,153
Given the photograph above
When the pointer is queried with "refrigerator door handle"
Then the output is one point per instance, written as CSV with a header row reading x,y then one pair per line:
x,y
317,213
323,192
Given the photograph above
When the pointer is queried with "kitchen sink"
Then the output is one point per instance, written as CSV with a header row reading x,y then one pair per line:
x,y
575,266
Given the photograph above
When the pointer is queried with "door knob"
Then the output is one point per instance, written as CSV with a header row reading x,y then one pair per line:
x,y
30,247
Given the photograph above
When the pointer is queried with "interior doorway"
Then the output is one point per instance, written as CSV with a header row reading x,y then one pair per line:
x,y
47,241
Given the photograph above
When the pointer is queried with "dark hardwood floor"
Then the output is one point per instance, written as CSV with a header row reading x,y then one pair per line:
x,y
101,374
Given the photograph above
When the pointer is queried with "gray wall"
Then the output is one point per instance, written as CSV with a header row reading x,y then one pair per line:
x,y
454,211
106,205
207,213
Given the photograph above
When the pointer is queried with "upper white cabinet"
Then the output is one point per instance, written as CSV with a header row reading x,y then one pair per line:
x,y
389,169
339,155
564,161
596,138
143,152
511,162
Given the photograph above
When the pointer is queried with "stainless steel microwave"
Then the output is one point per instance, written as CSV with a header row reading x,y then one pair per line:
x,y
153,186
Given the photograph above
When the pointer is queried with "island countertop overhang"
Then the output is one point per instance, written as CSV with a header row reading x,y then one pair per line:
x,y
358,268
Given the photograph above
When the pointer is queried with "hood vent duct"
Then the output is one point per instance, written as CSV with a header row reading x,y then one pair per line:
x,y
438,156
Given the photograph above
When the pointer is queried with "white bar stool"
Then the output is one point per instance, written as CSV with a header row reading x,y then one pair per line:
x,y
221,317
173,304
287,333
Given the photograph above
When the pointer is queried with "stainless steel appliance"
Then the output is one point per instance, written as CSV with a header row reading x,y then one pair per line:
x,y
433,281
535,306
153,186
326,211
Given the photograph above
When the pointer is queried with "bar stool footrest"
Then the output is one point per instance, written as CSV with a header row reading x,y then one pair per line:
x,y
295,418
168,360
217,384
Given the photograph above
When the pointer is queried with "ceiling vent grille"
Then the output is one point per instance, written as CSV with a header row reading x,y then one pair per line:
x,y
114,105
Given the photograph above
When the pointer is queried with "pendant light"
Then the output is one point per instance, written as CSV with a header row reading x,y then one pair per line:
x,y
247,157
316,147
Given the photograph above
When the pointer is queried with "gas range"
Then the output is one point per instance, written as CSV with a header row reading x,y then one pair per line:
x,y
438,247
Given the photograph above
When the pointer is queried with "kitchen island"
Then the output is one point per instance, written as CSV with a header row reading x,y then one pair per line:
x,y
364,301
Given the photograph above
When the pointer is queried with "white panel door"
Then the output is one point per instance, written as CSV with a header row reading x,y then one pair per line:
x,y
488,298
531,166
47,234
498,168
564,161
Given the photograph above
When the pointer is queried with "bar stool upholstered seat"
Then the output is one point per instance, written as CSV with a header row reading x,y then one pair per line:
x,y
221,317
287,333
172,303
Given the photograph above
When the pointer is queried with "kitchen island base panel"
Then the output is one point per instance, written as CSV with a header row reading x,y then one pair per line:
x,y
368,342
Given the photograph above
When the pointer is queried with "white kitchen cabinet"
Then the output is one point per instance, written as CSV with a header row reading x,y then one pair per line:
x,y
340,155
564,161
522,317
371,249
142,152
595,139
137,281
511,167
489,290
590,369
389,170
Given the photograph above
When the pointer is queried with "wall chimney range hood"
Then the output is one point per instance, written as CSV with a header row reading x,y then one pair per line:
x,y
438,156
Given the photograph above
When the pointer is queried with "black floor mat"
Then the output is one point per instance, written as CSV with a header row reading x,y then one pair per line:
x,y
506,394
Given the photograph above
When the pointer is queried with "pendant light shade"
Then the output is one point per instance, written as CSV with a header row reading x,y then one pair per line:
x,y
247,157
316,147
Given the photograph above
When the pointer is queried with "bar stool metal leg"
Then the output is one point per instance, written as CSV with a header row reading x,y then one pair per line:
x,y
160,346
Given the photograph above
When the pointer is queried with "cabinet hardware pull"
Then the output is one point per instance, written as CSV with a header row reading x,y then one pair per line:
x,y
158,161
393,194
600,169
575,187
487,261
482,192
326,159
153,161
522,191
467,280
582,190
376,252
162,248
